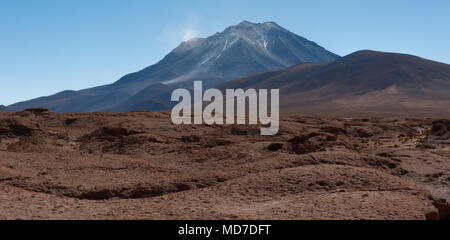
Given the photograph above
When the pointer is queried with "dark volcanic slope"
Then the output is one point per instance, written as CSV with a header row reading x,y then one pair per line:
x,y
155,97
363,81
238,51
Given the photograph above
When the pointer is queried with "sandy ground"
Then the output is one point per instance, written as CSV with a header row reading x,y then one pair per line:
x,y
139,165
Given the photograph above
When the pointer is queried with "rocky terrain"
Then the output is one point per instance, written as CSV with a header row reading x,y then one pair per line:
x,y
139,165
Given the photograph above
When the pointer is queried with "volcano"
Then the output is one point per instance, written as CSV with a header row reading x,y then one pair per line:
x,y
238,51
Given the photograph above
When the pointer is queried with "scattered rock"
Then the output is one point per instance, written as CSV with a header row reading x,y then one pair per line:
x,y
305,147
426,146
441,127
214,142
114,132
17,127
37,111
274,147
363,133
333,130
69,121
243,130
444,209
190,138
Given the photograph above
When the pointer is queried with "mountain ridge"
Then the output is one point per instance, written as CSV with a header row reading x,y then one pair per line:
x,y
363,81
237,51
245,38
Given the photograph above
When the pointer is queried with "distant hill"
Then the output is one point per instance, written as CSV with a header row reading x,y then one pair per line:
x,y
238,51
3,108
155,97
365,81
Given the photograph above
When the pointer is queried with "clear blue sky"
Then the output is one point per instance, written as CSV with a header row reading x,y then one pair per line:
x,y
47,46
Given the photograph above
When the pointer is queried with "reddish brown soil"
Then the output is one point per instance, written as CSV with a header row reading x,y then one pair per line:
x,y
140,166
